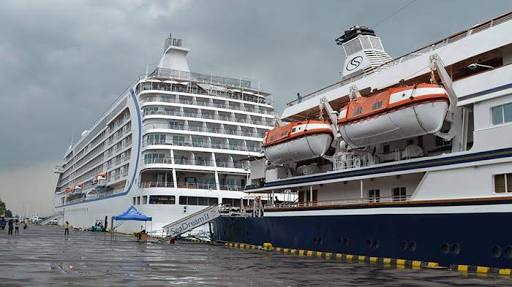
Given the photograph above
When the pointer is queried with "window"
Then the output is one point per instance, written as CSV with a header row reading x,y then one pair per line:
x,y
145,199
501,114
385,148
357,111
138,200
399,194
377,105
198,200
134,201
374,195
162,199
234,202
503,183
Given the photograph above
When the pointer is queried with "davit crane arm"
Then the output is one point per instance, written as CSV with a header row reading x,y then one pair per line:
x,y
457,116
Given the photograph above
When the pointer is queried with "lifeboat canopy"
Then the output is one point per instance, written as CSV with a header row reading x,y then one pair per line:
x,y
297,141
394,114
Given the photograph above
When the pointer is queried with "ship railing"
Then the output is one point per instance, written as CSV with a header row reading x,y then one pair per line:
x,y
429,48
238,147
204,78
209,186
343,202
255,97
151,184
206,116
231,187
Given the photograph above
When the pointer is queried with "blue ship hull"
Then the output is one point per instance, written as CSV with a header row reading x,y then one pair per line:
x,y
483,239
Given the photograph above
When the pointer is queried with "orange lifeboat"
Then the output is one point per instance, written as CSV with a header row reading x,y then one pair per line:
x,y
297,141
394,114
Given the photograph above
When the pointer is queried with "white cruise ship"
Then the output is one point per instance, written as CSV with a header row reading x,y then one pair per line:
x,y
173,142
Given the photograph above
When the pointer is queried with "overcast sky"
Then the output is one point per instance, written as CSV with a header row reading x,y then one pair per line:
x,y
62,63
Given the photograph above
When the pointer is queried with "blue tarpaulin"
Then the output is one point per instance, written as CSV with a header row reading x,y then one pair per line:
x,y
132,214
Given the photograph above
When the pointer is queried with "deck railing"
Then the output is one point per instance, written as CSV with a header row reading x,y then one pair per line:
x,y
342,202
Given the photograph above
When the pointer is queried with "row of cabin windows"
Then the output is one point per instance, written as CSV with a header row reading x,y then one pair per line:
x,y
503,183
399,194
501,114
185,200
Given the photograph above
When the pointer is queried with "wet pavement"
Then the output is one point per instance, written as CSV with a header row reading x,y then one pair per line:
x,y
40,256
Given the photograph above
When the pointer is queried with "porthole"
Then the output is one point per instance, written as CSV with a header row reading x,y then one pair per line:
x,y
346,241
403,245
508,252
455,248
496,251
445,248
412,246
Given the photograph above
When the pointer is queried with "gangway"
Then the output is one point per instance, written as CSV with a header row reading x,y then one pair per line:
x,y
51,218
192,221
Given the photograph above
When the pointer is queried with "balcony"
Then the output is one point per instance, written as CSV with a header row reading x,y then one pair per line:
x,y
150,184
206,116
209,186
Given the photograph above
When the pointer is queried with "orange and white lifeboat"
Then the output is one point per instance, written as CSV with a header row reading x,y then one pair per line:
x,y
297,141
394,114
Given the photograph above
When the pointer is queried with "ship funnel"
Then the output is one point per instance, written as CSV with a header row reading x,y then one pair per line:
x,y
363,50
175,56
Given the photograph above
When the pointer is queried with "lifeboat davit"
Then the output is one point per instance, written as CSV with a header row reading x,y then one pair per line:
x,y
297,141
394,114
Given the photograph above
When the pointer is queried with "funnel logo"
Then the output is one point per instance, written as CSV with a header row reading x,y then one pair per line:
x,y
354,63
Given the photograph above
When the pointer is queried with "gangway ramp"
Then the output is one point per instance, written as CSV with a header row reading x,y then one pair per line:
x,y
192,221
52,217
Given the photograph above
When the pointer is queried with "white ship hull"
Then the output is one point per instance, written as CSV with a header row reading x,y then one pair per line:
x,y
85,215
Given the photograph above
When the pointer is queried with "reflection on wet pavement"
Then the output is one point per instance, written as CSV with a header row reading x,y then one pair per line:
x,y
41,256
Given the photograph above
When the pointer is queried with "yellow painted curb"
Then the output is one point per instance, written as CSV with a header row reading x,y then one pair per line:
x,y
416,263
400,262
373,260
350,257
386,261
339,256
505,272
482,269
462,268
301,252
309,253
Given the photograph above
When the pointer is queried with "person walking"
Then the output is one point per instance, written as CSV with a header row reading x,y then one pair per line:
x,y
10,226
16,227
66,230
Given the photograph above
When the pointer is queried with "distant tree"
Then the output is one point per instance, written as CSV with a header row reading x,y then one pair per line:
x,y
8,213
2,208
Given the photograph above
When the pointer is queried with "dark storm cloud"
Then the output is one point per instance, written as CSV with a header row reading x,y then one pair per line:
x,y
63,62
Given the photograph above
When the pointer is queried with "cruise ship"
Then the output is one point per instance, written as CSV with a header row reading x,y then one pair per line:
x,y
403,159
173,142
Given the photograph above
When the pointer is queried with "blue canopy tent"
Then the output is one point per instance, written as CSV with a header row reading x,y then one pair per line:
x,y
131,214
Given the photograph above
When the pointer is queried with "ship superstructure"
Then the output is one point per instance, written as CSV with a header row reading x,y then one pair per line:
x,y
174,142
419,159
